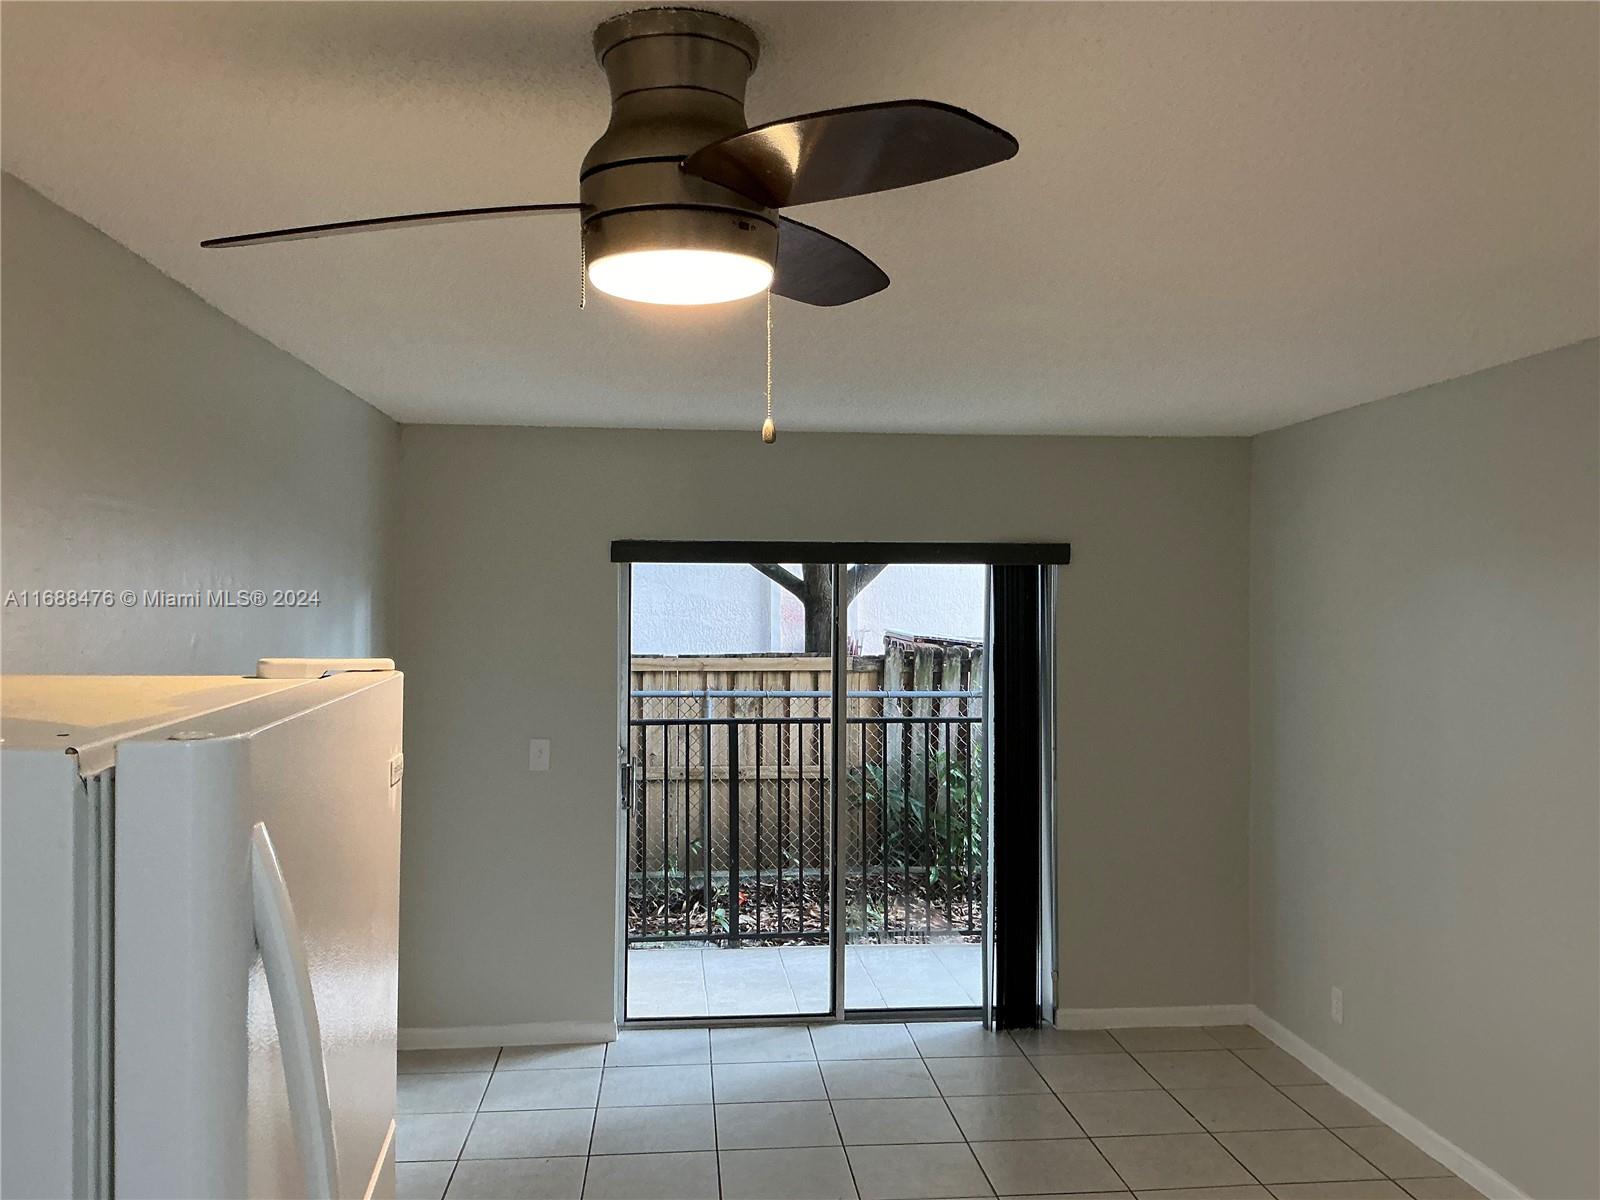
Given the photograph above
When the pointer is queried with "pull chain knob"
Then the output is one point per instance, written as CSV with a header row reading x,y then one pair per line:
x,y
769,431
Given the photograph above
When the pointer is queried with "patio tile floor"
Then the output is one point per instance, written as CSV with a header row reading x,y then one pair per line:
x,y
793,980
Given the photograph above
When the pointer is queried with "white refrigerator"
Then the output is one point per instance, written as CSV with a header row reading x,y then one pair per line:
x,y
199,894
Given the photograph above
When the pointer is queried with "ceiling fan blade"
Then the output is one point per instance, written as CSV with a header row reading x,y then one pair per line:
x,y
851,152
817,268
404,220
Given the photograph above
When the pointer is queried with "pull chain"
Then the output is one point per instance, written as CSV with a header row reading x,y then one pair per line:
x,y
769,431
583,270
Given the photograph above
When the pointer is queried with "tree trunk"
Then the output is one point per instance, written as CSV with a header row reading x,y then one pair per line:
x,y
819,625
818,602
814,589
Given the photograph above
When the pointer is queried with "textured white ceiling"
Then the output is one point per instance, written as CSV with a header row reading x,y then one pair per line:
x,y
1224,218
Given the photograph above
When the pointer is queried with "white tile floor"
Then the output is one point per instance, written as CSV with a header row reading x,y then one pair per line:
x,y
896,1112
793,980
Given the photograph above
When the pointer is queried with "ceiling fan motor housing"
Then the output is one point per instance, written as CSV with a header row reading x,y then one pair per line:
x,y
677,79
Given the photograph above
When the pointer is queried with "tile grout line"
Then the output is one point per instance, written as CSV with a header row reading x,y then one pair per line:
x,y
788,981
965,1140
588,1158
945,1100
594,1119
711,1080
844,1151
473,1124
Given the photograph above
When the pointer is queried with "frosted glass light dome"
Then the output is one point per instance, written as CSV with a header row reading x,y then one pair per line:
x,y
680,276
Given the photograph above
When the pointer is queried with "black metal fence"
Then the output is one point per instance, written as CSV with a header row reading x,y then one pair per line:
x,y
729,820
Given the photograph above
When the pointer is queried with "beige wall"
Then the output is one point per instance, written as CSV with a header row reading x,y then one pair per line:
x,y
509,631
1426,796
147,441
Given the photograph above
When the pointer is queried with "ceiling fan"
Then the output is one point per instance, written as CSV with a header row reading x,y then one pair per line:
x,y
679,198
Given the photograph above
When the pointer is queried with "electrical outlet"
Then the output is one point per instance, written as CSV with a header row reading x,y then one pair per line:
x,y
1336,1006
539,754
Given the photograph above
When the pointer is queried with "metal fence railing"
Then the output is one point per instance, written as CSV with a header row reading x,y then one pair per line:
x,y
729,822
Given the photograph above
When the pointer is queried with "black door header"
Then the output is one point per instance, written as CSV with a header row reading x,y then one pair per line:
x,y
989,553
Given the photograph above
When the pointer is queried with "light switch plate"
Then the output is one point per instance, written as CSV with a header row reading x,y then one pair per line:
x,y
539,754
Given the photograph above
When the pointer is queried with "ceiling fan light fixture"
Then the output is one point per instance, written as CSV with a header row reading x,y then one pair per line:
x,y
680,276
680,197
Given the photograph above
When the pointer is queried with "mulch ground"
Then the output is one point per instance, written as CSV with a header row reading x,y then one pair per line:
x,y
795,905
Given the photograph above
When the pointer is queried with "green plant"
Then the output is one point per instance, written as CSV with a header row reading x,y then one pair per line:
x,y
932,809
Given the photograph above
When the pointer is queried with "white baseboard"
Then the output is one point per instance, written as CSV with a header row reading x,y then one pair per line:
x,y
1481,1176
1134,1018
536,1033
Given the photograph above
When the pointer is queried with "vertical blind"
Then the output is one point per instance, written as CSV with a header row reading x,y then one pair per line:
x,y
1020,676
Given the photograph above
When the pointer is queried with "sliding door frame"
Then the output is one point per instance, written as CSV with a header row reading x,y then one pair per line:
x,y
838,731
987,814
838,556
1049,963
624,780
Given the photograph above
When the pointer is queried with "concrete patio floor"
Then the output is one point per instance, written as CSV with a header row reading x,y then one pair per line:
x,y
779,981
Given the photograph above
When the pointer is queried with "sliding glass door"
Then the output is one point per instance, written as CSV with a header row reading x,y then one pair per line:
x,y
758,882
727,840
913,850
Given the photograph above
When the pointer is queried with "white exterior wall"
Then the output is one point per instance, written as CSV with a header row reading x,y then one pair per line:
x,y
730,608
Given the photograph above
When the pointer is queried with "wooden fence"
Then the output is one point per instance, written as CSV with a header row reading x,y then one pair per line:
x,y
784,754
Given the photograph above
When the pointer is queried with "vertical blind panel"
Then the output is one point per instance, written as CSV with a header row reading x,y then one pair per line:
x,y
1017,752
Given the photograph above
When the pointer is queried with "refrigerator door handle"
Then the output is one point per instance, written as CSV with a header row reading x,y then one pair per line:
x,y
283,958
